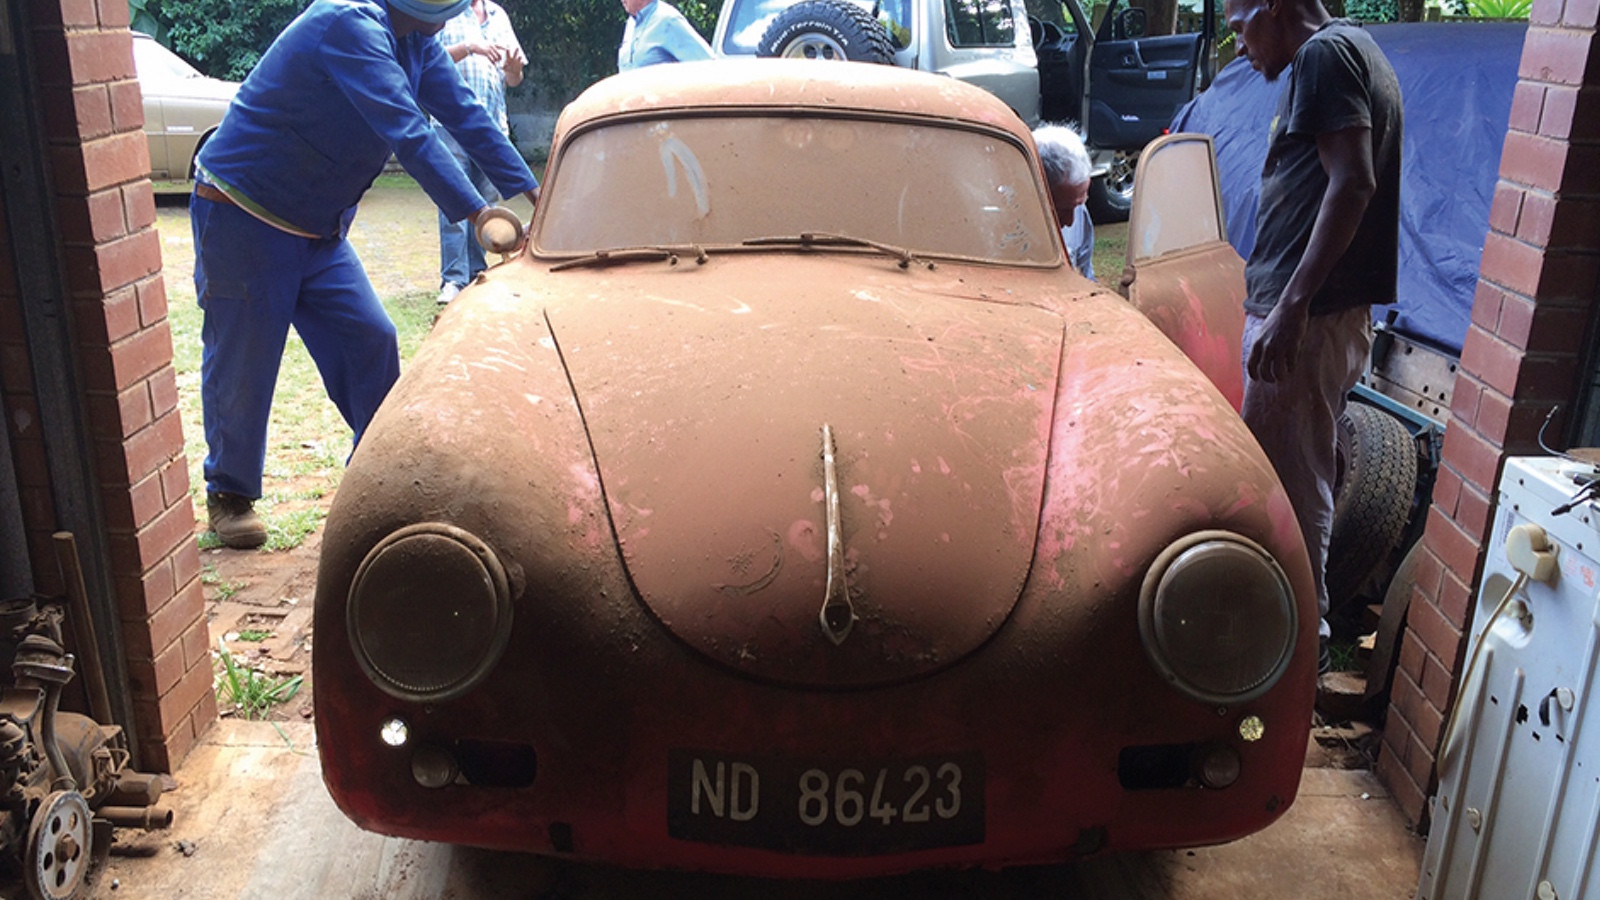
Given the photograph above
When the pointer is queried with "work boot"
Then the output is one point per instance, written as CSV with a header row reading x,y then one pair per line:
x,y
234,520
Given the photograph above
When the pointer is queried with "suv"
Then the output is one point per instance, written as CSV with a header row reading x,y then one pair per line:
x,y
1120,79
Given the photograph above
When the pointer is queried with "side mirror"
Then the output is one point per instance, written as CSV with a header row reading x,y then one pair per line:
x,y
1132,22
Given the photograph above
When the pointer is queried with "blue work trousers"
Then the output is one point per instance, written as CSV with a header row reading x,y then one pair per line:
x,y
460,254
255,281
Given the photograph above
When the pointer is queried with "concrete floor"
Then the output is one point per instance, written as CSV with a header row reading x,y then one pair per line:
x,y
253,821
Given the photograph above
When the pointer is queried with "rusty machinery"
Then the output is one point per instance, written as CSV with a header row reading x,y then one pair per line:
x,y
64,777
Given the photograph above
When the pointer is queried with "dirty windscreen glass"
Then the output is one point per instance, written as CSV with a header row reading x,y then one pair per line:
x,y
724,179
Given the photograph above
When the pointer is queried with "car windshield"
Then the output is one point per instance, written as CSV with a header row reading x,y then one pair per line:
x,y
749,20
932,189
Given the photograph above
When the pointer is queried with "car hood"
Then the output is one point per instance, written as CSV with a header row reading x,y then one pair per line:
x,y
182,89
707,419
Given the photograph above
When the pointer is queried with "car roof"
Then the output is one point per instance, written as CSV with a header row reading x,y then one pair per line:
x,y
789,84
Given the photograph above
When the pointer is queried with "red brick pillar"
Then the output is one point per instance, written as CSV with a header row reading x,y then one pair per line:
x,y
110,256
1525,351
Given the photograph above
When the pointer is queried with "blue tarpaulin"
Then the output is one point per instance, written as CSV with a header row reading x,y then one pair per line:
x,y
1456,81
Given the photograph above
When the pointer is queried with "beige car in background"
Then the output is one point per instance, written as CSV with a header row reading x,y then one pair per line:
x,y
181,108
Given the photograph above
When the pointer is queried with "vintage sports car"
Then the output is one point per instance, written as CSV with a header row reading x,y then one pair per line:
x,y
787,507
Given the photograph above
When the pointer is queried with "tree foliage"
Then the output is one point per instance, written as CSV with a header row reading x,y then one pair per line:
x,y
223,38
570,43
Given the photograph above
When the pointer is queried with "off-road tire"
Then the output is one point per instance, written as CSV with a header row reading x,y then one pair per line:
x,y
1372,497
1111,195
827,29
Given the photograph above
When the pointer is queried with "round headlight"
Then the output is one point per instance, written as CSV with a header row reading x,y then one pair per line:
x,y
1218,617
429,612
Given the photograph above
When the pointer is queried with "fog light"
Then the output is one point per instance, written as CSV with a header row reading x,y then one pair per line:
x,y
1252,729
1220,768
394,732
433,767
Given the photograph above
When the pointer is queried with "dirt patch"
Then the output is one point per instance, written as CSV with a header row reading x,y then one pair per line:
x,y
259,608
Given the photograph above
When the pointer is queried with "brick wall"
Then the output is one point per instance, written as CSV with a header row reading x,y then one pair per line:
x,y
1524,352
111,257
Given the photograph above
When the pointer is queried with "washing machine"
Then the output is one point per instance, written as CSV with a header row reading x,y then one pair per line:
x,y
1518,803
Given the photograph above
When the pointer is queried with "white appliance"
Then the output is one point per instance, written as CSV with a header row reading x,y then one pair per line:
x,y
1518,805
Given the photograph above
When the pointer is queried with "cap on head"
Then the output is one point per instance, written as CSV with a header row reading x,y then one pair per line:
x,y
433,12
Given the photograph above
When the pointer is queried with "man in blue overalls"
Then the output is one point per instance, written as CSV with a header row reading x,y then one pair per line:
x,y
345,85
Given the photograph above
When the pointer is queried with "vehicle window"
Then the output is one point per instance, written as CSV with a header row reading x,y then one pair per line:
x,y
1052,14
748,21
979,23
1123,20
1177,204
718,180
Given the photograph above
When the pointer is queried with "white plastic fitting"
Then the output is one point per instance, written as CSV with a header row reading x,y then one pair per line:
x,y
1530,552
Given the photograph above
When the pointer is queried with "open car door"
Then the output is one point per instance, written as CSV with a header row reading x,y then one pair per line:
x,y
1149,58
1181,271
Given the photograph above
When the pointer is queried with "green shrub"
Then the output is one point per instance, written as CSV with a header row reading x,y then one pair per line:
x,y
1499,9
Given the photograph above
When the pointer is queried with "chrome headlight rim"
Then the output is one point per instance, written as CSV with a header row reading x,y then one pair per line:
x,y
1150,634
498,585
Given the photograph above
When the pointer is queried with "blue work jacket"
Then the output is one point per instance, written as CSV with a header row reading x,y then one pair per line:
x,y
336,93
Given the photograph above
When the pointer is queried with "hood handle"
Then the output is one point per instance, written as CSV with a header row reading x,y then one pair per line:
x,y
837,615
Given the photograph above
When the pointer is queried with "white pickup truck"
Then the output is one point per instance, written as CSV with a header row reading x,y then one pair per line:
x,y
1119,76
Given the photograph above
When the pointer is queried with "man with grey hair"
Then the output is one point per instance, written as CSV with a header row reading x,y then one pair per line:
x,y
1066,171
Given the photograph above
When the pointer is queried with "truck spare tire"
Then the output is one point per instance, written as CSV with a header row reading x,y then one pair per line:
x,y
1111,195
1373,492
827,29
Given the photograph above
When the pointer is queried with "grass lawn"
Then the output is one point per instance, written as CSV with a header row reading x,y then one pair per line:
x,y
1110,253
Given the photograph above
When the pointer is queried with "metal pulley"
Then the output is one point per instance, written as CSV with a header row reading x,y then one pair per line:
x,y
60,845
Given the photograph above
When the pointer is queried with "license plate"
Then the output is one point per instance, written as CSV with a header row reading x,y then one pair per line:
x,y
835,807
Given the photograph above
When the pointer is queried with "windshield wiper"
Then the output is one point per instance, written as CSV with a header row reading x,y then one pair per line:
x,y
619,255
828,239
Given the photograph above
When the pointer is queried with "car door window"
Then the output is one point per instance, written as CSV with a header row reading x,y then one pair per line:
x,y
979,23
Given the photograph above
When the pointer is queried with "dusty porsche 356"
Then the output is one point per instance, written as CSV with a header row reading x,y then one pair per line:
x,y
787,506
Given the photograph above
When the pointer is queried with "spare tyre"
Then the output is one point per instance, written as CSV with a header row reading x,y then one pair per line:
x,y
1111,195
827,29
1372,497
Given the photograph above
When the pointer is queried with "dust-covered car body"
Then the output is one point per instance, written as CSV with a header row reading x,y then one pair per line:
x,y
787,507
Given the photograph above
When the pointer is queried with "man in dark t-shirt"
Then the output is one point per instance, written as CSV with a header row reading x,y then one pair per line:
x,y
1326,242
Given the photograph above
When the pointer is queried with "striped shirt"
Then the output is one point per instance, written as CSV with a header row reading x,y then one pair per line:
x,y
485,78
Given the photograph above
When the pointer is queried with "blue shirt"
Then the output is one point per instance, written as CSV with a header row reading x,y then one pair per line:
x,y
659,34
336,93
